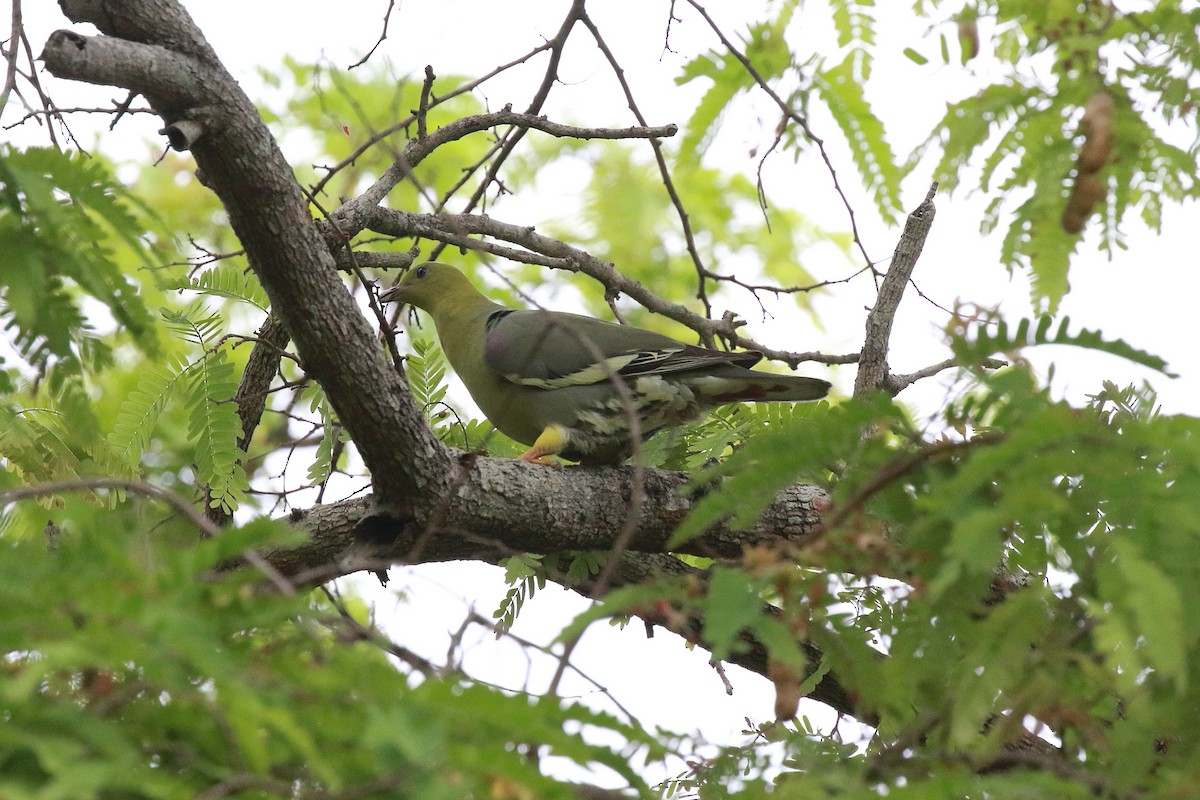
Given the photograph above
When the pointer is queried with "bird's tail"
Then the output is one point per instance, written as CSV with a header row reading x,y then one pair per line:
x,y
759,387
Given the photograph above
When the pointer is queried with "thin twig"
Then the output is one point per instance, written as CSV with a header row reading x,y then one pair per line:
x,y
898,383
417,149
898,468
57,112
277,578
387,16
47,103
369,633
478,619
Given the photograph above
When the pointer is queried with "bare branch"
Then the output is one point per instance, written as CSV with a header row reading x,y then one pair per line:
x,y
346,260
16,33
423,106
545,511
165,24
115,110
387,17
374,139
169,80
357,631
347,219
898,383
872,363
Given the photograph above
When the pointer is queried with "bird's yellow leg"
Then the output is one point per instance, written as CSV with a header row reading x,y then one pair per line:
x,y
551,442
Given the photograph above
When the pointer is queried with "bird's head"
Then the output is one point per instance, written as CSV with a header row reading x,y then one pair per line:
x,y
432,287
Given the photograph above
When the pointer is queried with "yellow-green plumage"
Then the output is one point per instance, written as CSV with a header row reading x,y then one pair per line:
x,y
549,379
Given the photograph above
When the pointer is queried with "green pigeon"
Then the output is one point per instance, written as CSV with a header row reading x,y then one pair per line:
x,y
570,385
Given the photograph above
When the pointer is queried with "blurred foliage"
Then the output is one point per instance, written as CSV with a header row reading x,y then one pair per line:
x,y
134,667
1028,566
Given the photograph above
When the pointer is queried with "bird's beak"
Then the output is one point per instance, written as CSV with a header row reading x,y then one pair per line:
x,y
390,295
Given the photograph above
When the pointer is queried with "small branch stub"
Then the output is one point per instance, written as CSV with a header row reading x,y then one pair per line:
x,y
183,134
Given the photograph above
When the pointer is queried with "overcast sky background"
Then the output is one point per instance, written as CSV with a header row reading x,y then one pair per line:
x,y
1146,295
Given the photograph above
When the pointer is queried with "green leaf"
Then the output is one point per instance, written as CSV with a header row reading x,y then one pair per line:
x,y
143,406
1154,607
525,575
61,216
227,280
841,89
731,604
216,428
854,24
426,372
995,336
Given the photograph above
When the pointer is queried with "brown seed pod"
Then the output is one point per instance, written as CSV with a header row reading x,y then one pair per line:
x,y
1099,105
787,688
1097,126
1088,191
968,38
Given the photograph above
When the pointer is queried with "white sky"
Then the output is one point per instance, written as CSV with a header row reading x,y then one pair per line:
x,y
1145,296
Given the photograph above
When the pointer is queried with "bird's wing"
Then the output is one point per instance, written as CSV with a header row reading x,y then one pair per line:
x,y
551,350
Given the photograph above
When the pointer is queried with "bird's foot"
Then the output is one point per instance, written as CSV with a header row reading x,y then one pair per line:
x,y
551,442
535,455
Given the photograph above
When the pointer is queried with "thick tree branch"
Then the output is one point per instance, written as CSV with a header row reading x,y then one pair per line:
x,y
16,33
166,24
348,261
507,506
171,82
567,510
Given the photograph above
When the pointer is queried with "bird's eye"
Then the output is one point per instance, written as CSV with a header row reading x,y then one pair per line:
x,y
422,272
